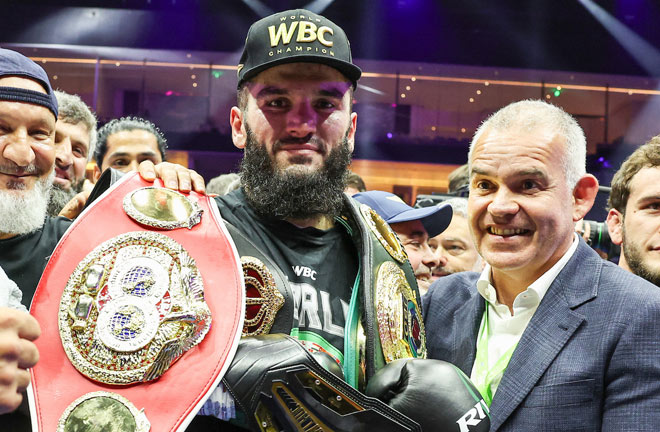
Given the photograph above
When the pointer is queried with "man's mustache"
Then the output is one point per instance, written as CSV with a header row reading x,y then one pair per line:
x,y
307,139
13,169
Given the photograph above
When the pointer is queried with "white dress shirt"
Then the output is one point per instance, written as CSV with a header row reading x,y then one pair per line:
x,y
505,329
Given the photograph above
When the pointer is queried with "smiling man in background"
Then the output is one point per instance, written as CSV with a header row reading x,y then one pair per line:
x,y
414,227
75,139
453,247
126,142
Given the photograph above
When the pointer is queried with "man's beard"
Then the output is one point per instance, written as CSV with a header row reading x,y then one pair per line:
x,y
22,212
280,194
60,196
635,260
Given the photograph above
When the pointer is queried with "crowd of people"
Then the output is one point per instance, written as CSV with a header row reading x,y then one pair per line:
x,y
513,322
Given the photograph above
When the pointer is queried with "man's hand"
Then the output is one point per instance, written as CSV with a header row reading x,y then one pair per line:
x,y
174,176
74,207
17,354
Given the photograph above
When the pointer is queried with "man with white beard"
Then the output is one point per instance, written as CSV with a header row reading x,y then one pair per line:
x,y
28,113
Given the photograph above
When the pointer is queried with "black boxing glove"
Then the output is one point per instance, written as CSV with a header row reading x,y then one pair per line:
x,y
434,393
281,386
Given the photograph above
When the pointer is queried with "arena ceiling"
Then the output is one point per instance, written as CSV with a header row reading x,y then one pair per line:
x,y
535,34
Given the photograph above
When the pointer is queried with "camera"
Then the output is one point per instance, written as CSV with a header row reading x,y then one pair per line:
x,y
598,237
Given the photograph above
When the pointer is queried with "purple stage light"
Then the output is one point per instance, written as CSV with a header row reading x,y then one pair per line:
x,y
389,135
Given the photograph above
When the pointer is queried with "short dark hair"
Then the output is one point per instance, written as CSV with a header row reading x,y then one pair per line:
x,y
126,124
355,181
646,156
459,178
241,96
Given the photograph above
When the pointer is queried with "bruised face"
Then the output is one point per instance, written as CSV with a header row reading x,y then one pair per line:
x,y
299,112
298,131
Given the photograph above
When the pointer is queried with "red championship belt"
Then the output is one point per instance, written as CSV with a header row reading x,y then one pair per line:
x,y
141,310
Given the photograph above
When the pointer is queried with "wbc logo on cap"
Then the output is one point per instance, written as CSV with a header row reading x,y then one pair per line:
x,y
304,31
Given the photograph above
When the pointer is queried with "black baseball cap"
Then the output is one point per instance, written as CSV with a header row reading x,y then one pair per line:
x,y
296,36
13,63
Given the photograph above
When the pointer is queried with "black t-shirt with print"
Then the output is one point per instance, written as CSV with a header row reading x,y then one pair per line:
x,y
24,257
321,267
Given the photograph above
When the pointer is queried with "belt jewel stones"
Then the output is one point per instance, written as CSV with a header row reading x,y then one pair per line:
x,y
131,308
400,325
262,301
162,208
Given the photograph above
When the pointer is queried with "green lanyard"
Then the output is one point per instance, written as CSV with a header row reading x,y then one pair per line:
x,y
351,364
484,377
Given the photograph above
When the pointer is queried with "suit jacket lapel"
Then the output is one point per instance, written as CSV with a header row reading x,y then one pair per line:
x,y
466,324
550,328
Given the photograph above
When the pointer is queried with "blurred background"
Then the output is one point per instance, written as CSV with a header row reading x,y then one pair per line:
x,y
433,70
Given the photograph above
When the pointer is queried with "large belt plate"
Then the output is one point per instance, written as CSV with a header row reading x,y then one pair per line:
x,y
131,308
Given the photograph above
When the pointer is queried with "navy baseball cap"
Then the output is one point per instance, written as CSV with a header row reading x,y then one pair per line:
x,y
16,64
295,36
392,208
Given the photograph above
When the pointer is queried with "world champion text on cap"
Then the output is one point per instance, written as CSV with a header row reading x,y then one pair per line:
x,y
305,31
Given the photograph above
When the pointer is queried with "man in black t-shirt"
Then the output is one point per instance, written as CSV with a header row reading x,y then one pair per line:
x,y
320,266
296,125
328,271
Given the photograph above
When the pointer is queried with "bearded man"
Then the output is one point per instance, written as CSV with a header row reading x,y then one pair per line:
x,y
324,274
634,217
75,139
28,111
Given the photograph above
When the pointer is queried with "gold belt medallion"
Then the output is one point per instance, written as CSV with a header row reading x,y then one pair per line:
x,y
162,208
399,318
262,298
131,308
103,411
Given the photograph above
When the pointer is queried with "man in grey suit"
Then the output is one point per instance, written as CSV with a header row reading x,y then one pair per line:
x,y
555,338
